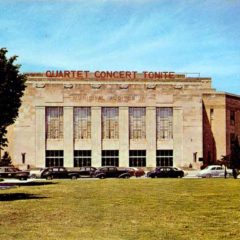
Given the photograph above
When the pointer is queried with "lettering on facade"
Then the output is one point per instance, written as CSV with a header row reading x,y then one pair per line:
x,y
107,74
108,98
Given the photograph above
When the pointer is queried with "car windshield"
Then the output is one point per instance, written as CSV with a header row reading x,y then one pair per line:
x,y
11,170
176,169
210,167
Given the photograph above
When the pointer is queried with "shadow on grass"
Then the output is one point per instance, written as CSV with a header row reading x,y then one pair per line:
x,y
35,183
18,196
2,184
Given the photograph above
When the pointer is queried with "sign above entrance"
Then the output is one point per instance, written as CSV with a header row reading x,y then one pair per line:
x,y
105,74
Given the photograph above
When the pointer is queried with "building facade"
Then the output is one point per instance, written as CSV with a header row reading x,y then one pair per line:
x,y
122,120
221,125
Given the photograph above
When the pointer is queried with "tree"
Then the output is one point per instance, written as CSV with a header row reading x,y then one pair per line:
x,y
235,154
6,160
12,86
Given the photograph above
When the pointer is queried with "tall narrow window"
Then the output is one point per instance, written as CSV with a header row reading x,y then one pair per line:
x,y
232,139
232,118
211,116
137,118
54,122
82,122
110,129
164,123
211,113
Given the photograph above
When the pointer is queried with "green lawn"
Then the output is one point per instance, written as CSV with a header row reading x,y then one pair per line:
x,y
122,209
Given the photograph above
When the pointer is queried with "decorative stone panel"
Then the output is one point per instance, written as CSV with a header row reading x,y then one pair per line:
x,y
96,86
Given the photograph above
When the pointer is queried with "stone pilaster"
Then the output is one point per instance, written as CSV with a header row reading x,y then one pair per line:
x,y
96,136
123,136
151,136
40,147
177,136
68,136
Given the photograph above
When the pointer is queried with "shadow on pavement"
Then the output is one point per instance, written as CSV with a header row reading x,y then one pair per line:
x,y
18,196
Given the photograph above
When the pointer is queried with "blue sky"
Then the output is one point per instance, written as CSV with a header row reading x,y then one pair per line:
x,y
153,35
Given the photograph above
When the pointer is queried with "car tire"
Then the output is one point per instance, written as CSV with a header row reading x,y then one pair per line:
x,y
229,175
49,177
102,177
127,176
208,176
74,177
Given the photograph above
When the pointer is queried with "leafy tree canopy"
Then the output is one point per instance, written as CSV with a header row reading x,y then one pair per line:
x,y
235,153
6,160
12,86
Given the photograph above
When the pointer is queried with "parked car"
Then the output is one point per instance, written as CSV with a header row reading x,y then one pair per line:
x,y
111,172
137,172
12,172
36,172
59,172
166,172
87,171
214,171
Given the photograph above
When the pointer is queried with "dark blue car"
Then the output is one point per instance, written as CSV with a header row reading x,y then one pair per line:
x,y
166,172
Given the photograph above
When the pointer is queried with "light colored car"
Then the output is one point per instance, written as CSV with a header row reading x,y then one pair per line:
x,y
36,172
214,171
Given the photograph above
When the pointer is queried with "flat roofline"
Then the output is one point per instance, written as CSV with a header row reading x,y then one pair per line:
x,y
184,74
223,93
119,76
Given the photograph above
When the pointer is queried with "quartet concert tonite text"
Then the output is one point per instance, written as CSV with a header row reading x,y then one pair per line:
x,y
108,74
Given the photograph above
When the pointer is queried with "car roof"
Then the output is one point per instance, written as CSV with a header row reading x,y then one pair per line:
x,y
165,167
213,166
107,166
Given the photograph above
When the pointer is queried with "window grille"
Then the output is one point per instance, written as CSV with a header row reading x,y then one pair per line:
x,y
137,158
137,124
110,158
82,158
164,158
110,123
54,158
164,123
54,122
82,122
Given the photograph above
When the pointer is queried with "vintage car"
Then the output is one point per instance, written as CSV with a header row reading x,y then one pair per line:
x,y
86,171
111,172
12,172
166,172
214,171
36,172
137,172
59,172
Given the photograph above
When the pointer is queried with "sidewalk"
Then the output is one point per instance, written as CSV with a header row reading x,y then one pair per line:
x,y
191,173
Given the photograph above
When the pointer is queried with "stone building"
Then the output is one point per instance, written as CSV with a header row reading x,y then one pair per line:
x,y
121,118
221,124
